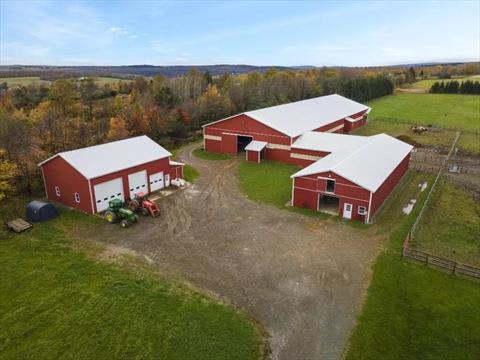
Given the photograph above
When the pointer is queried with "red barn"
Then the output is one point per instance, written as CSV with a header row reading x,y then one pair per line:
x,y
88,178
355,178
274,130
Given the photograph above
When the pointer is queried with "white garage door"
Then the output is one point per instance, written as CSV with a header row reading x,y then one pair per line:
x,y
107,191
156,181
137,183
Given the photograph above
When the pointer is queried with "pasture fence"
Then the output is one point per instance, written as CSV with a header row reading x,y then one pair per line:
x,y
452,266
439,174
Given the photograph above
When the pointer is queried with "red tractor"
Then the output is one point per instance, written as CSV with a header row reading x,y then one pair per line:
x,y
140,203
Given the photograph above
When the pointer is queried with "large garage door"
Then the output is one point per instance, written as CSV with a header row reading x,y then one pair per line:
x,y
137,183
107,191
156,181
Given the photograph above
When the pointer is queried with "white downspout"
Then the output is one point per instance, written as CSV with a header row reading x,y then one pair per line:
x,y
91,197
369,206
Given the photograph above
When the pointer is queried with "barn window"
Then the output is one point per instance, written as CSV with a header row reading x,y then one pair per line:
x,y
57,190
77,197
362,210
330,186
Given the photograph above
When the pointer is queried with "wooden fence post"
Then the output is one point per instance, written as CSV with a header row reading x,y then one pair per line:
x,y
426,260
454,267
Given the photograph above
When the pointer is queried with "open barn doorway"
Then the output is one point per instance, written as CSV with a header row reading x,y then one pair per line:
x,y
243,141
328,204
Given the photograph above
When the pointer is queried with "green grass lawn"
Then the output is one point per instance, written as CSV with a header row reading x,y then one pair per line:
x,y
412,311
58,302
190,173
395,114
451,225
202,154
268,182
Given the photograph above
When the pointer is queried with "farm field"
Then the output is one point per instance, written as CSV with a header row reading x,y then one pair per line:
x,y
451,225
24,81
395,114
35,80
448,111
427,84
59,301
412,311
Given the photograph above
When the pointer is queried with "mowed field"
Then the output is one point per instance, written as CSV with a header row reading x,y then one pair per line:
x,y
62,299
445,113
35,80
427,84
24,81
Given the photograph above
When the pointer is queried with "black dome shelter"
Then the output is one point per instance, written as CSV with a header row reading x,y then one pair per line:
x,y
39,211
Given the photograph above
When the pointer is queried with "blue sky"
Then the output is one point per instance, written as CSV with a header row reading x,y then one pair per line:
x,y
350,33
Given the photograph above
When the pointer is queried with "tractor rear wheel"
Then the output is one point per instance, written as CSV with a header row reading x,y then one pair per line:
x,y
124,223
133,205
110,216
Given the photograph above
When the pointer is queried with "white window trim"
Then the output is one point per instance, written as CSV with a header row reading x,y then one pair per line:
x,y
57,191
364,212
77,197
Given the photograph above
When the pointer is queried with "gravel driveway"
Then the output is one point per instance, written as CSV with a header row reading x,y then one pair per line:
x,y
303,278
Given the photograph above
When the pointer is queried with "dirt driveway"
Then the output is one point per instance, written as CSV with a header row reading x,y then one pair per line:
x,y
303,278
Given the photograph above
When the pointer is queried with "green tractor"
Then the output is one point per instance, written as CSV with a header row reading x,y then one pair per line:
x,y
116,212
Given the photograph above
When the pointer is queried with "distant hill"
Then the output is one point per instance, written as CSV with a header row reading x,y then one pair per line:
x,y
136,70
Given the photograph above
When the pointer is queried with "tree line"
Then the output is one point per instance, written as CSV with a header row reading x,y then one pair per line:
x,y
36,121
455,87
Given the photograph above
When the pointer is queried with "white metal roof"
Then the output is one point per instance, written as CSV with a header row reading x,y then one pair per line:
x,y
295,118
98,160
367,165
328,142
176,163
255,145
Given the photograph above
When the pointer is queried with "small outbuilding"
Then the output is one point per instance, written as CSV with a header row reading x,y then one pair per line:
x,y
40,211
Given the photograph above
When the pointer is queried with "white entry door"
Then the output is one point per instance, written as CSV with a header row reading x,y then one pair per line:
x,y
347,211
167,179
156,181
137,183
106,191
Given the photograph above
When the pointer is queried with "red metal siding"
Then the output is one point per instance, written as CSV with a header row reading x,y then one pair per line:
x,y
307,189
151,167
213,146
305,162
229,144
57,172
252,156
331,126
379,196
244,125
